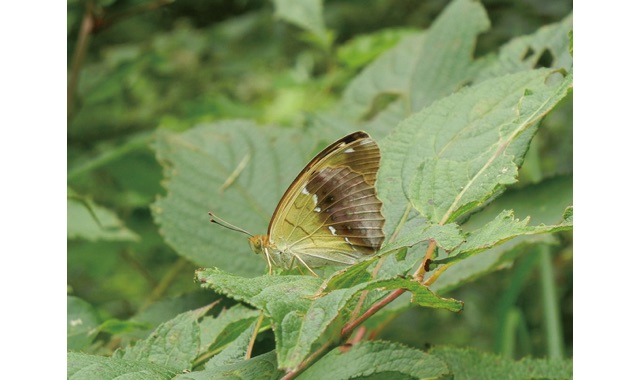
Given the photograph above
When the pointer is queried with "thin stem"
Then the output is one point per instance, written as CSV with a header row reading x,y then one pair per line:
x,y
308,361
126,255
256,330
374,309
507,303
364,294
164,283
80,51
429,281
552,324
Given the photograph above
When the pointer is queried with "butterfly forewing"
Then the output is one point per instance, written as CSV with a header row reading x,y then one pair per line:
x,y
330,214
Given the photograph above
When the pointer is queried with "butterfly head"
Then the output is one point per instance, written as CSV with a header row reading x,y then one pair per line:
x,y
258,243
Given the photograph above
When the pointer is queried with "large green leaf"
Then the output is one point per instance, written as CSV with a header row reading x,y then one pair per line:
x,y
454,155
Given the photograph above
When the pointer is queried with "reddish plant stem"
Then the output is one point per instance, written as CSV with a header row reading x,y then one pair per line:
x,y
79,53
419,275
134,11
374,309
308,361
346,331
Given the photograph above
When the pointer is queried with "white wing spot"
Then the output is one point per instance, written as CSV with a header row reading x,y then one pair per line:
x,y
317,209
315,199
349,150
305,191
333,230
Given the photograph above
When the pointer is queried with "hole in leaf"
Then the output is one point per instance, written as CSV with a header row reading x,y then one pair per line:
x,y
528,54
545,59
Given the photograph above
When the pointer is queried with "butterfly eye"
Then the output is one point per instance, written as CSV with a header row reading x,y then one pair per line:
x,y
256,244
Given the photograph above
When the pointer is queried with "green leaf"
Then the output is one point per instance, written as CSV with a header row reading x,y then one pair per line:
x,y
350,276
451,157
91,367
82,323
525,53
116,326
300,317
237,170
261,367
543,202
173,344
571,42
226,327
422,295
236,350
166,309
286,300
447,237
306,14
422,68
366,359
502,228
471,364
86,220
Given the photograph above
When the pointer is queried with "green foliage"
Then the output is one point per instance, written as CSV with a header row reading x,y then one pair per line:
x,y
92,222
168,125
470,364
377,358
82,323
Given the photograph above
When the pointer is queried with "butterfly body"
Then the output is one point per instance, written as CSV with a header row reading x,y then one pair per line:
x,y
330,214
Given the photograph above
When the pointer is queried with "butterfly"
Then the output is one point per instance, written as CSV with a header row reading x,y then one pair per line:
x,y
330,214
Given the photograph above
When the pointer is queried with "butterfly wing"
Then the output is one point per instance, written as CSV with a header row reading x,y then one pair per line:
x,y
330,214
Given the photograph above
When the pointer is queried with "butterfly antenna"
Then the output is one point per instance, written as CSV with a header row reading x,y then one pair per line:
x,y
221,222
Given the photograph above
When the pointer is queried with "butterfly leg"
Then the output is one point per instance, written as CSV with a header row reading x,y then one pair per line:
x,y
266,254
303,263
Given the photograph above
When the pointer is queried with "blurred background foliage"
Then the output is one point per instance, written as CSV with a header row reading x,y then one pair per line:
x,y
135,66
